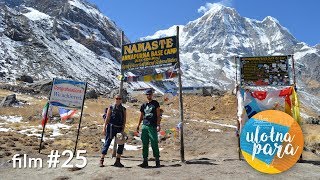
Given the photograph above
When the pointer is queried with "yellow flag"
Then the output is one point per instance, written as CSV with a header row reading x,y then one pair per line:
x,y
147,78
159,77
120,77
288,103
295,107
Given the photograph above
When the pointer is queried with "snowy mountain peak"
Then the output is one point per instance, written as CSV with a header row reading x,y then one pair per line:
x,y
214,8
270,19
317,46
217,9
172,31
208,46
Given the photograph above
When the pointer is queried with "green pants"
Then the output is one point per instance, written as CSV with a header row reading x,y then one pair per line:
x,y
149,133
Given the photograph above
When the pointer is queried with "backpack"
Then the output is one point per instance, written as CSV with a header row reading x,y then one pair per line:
x,y
104,116
113,119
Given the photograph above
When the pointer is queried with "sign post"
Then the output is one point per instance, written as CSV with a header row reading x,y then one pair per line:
x,y
67,94
114,152
262,71
79,126
156,53
238,120
180,100
44,125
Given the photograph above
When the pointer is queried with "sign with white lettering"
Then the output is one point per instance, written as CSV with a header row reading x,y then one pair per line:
x,y
264,71
271,141
68,94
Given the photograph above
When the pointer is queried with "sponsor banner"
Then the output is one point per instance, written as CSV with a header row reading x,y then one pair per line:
x,y
67,93
271,141
251,102
264,71
152,53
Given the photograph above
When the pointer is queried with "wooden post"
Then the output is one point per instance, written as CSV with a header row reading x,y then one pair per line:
x,y
114,152
121,82
294,72
180,100
236,63
44,126
237,90
79,126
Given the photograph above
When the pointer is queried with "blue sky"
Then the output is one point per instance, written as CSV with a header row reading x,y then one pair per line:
x,y
139,18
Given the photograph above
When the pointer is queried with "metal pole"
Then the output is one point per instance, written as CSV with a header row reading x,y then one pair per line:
x,y
44,126
114,152
121,82
295,88
238,123
180,99
236,63
84,97
294,72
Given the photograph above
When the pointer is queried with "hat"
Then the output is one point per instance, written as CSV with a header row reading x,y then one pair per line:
x,y
149,91
121,138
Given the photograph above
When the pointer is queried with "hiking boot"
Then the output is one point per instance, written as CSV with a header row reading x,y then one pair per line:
x,y
101,162
144,164
158,163
118,163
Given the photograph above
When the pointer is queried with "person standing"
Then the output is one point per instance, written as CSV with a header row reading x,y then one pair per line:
x,y
150,115
114,123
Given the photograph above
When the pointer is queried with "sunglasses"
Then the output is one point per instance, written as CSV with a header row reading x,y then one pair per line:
x,y
118,98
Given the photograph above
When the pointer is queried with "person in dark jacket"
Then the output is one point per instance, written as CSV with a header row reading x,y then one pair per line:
x,y
114,123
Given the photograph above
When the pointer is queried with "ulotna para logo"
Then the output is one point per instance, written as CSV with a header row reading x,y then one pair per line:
x,y
271,141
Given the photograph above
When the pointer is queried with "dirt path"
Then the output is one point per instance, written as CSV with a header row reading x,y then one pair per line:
x,y
200,168
210,146
209,155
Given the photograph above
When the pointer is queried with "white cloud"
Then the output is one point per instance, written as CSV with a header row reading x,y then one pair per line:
x,y
208,6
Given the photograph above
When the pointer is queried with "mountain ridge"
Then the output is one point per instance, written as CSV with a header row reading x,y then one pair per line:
x,y
214,39
62,38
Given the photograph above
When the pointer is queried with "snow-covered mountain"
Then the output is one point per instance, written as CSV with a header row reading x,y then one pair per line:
x,y
208,46
71,38
60,38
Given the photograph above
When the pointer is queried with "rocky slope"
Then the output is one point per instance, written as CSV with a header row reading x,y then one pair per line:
x,y
62,38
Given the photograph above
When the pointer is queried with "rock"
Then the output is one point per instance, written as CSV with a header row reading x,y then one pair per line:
x,y
62,178
125,95
25,78
92,94
2,74
9,100
113,93
7,153
313,120
44,86
133,100
18,88
206,92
